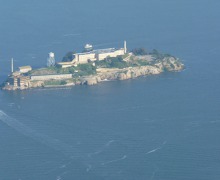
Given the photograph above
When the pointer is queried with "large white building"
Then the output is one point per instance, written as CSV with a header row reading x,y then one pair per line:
x,y
99,54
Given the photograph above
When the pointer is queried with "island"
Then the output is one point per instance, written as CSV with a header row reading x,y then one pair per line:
x,y
93,66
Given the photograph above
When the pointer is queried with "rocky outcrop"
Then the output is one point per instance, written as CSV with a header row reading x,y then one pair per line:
x,y
90,80
131,72
170,64
9,87
167,64
35,84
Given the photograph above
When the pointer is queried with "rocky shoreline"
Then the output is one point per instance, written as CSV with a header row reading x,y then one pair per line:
x,y
105,74
169,64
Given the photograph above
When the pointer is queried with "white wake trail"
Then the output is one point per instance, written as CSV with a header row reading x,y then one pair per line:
x,y
102,149
115,160
41,138
74,154
154,150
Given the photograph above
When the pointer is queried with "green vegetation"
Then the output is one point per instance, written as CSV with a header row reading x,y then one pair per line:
x,y
158,55
112,62
125,56
68,56
55,83
139,51
155,53
140,62
43,71
53,70
118,62
80,70
85,69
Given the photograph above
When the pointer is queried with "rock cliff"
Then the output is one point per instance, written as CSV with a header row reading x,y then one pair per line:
x,y
167,64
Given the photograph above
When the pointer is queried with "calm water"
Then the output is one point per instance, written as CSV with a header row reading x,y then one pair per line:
x,y
163,127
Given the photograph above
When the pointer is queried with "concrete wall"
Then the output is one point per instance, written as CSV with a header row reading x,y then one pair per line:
x,y
83,58
120,52
116,53
111,54
51,77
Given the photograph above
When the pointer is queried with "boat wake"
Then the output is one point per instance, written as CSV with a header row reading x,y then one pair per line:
x,y
41,138
102,149
115,160
156,149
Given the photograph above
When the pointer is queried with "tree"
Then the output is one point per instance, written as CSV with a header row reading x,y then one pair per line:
x,y
155,52
139,51
68,57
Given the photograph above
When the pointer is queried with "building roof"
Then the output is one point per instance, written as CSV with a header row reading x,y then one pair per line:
x,y
25,67
99,51
16,73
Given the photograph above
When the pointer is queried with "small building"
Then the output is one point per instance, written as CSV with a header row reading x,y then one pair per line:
x,y
25,69
16,73
19,81
23,82
66,64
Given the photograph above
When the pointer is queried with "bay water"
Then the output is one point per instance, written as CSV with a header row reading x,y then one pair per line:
x,y
163,127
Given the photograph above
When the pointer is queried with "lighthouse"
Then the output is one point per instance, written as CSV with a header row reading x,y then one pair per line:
x,y
12,65
125,47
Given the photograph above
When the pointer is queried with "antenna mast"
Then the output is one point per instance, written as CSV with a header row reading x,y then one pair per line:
x,y
12,65
125,47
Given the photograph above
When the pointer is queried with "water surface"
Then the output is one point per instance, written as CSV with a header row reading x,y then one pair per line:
x,y
157,127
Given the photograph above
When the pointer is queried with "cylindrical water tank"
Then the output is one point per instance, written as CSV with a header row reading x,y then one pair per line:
x,y
51,55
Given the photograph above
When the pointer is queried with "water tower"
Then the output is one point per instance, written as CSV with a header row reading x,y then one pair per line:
x,y
51,59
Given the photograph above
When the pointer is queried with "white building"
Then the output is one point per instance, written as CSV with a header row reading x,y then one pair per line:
x,y
99,54
25,69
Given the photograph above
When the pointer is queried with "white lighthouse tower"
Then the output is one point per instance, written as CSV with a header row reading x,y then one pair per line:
x,y
51,59
125,47
12,65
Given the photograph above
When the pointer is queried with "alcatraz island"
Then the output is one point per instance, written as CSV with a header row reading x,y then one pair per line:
x,y
91,67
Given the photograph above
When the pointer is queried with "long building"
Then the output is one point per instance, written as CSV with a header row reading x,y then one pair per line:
x,y
93,55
